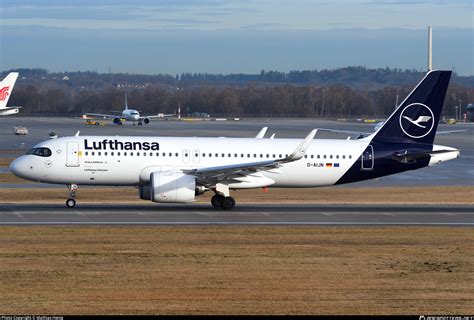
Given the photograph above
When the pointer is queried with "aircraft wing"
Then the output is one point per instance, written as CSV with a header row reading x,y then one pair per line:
x,y
213,175
157,116
109,116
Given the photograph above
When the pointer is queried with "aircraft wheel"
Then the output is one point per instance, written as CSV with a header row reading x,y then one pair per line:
x,y
228,203
139,123
70,203
216,201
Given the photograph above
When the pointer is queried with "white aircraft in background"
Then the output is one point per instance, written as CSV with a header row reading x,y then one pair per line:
x,y
6,88
130,115
177,169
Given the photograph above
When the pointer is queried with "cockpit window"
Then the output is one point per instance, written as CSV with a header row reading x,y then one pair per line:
x,y
42,152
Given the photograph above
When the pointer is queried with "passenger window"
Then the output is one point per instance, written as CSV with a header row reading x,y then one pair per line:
x,y
138,154
312,156
254,155
274,156
230,155
330,157
151,154
343,156
118,153
125,154
261,155
350,156
92,153
279,155
186,154
319,157
324,156
164,154
337,157
131,154
217,155
306,156
176,154
87,153
170,154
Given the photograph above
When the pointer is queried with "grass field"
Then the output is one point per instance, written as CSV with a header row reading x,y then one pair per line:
x,y
237,270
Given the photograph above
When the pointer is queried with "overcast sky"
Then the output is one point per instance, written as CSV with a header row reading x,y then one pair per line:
x,y
217,36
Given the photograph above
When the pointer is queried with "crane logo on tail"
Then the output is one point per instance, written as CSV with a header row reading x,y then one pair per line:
x,y
4,93
417,120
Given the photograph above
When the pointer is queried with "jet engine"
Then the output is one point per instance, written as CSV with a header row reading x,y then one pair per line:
x,y
146,120
117,121
171,186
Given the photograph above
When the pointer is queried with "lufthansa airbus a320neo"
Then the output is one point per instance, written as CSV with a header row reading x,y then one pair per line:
x,y
176,170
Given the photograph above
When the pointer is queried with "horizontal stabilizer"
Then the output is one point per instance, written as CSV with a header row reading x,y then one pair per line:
x,y
410,157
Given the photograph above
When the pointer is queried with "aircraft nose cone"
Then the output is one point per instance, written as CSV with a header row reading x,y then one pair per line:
x,y
18,167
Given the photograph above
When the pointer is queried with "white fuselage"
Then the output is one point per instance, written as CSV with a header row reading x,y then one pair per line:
x,y
106,160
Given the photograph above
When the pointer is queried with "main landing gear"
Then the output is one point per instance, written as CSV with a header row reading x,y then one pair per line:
x,y
226,203
71,202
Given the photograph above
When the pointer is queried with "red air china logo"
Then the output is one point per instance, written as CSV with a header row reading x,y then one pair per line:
x,y
4,93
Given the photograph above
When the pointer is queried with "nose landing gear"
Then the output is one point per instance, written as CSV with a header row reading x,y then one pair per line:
x,y
71,202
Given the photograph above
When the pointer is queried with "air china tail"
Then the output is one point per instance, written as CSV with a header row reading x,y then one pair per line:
x,y
177,169
6,88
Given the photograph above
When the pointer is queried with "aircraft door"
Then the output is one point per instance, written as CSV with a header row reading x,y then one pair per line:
x,y
186,156
196,156
367,158
72,155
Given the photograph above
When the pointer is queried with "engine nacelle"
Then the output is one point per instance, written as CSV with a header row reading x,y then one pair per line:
x,y
117,121
146,120
172,186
